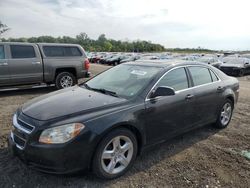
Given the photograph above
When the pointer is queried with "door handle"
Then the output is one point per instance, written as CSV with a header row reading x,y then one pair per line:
x,y
219,89
189,96
36,63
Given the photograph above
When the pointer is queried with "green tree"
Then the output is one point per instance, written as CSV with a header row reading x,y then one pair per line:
x,y
3,28
101,44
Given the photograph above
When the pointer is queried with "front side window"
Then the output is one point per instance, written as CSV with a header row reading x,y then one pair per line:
x,y
200,75
22,51
2,55
176,79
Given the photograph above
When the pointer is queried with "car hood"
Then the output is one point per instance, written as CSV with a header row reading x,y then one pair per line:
x,y
232,65
67,102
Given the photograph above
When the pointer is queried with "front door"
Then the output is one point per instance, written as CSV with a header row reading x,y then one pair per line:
x,y
168,116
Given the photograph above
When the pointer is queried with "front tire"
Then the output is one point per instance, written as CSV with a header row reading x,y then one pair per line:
x,y
115,154
64,80
225,115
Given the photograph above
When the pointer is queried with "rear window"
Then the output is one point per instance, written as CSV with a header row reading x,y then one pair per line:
x,y
61,51
22,51
200,75
2,55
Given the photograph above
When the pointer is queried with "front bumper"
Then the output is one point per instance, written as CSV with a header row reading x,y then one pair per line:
x,y
64,158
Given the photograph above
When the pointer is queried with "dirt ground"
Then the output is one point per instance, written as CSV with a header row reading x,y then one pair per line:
x,y
206,157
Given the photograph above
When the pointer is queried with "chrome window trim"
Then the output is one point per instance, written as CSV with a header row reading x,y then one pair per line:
x,y
179,91
20,127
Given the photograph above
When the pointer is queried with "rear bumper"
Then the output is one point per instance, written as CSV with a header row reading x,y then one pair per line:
x,y
231,71
83,74
56,159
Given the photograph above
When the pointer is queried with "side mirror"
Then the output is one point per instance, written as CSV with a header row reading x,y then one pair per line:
x,y
162,91
246,64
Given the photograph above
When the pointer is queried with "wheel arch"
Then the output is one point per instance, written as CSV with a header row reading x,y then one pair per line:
x,y
231,98
71,70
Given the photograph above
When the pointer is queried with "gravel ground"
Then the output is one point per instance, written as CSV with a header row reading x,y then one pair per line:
x,y
206,157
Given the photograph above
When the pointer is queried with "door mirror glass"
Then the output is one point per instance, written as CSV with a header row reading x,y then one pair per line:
x,y
162,91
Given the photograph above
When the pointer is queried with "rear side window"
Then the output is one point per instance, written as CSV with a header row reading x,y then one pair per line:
x,y
214,77
2,55
200,75
22,51
177,79
61,51
72,51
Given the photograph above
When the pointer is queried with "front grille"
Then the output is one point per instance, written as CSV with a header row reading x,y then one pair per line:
x,y
21,125
19,141
21,132
24,125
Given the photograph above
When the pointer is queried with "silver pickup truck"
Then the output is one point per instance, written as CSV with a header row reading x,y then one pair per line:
x,y
28,63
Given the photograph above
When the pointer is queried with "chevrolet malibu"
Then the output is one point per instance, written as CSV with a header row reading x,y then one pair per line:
x,y
105,123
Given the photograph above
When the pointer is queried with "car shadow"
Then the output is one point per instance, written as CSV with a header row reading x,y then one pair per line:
x,y
15,173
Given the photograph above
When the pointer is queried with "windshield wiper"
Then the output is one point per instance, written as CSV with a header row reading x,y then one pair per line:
x,y
105,91
87,86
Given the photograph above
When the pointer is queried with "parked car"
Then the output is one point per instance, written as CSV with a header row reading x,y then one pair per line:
x,y
235,66
214,61
106,122
115,60
104,59
130,58
27,63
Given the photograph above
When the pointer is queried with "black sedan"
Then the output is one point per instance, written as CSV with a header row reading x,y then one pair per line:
x,y
235,66
106,122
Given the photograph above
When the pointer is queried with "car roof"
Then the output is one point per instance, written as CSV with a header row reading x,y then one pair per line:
x,y
165,63
47,44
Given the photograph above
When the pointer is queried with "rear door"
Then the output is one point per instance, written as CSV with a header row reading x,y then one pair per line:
x,y
25,64
208,92
4,67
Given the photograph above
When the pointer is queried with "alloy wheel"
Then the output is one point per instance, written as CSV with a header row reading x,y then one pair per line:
x,y
226,114
66,81
117,155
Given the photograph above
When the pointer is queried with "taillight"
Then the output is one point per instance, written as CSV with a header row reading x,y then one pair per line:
x,y
86,64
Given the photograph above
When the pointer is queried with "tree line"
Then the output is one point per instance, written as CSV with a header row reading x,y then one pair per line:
x,y
102,44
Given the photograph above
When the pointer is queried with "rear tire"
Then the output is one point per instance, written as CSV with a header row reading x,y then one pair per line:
x,y
64,80
115,154
225,114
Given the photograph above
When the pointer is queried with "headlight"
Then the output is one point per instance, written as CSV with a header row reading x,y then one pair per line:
x,y
61,134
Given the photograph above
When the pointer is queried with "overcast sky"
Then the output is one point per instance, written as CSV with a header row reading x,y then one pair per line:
x,y
214,24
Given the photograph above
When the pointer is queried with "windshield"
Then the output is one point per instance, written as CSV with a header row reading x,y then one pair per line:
x,y
123,80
